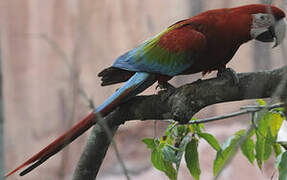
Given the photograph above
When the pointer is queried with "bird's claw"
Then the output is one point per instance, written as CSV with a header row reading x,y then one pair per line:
x,y
166,90
228,73
165,86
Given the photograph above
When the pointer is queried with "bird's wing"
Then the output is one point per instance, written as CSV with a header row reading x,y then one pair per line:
x,y
169,52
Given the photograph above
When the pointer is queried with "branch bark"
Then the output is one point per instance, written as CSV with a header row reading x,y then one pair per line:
x,y
93,154
181,104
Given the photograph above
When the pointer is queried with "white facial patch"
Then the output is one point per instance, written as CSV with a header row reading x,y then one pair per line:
x,y
262,20
260,23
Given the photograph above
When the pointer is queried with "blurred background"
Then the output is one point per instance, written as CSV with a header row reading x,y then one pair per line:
x,y
51,53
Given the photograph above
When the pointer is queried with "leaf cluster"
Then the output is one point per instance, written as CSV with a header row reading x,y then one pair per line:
x,y
256,143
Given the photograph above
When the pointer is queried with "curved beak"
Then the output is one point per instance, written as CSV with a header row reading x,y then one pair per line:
x,y
273,33
279,32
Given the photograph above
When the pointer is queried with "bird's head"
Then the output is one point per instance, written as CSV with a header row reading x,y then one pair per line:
x,y
268,24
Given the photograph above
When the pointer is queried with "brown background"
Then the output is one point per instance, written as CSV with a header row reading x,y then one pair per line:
x,y
54,49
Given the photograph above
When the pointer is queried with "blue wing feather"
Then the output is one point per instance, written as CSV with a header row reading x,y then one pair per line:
x,y
150,57
135,60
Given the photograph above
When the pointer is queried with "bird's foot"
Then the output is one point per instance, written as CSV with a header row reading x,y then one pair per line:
x,y
165,86
166,90
228,73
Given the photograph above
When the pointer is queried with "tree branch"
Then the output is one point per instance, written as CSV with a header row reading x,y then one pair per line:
x,y
93,154
183,103
246,110
187,100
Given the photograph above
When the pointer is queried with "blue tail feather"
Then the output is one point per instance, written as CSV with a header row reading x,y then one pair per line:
x,y
135,85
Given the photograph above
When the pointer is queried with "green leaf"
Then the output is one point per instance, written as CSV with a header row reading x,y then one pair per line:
x,y
168,154
162,165
277,161
264,123
268,146
157,160
149,142
191,158
277,149
282,167
247,149
259,148
170,171
261,102
201,125
162,143
173,147
268,127
163,140
227,151
263,147
267,151
211,140
276,123
196,128
179,153
181,130
232,140
261,137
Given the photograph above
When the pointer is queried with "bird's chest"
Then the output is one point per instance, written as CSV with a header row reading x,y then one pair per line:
x,y
212,57
218,54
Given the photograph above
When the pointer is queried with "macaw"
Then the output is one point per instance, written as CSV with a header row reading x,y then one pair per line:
x,y
203,43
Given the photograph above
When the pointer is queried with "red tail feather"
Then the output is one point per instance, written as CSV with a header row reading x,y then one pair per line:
x,y
57,145
138,83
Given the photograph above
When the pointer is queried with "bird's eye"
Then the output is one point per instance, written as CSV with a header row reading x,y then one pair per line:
x,y
262,17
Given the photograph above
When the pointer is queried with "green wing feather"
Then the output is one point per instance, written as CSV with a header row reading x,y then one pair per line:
x,y
169,52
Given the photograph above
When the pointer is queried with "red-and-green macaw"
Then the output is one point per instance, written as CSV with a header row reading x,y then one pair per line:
x,y
203,43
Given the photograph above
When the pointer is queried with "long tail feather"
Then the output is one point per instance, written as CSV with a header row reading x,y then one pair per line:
x,y
136,84
59,143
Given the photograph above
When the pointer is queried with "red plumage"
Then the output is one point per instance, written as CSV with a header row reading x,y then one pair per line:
x,y
58,144
214,35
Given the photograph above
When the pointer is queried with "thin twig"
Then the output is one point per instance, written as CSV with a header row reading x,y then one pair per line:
x,y
1,119
246,110
66,59
269,107
85,95
61,53
216,118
